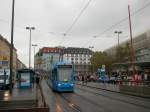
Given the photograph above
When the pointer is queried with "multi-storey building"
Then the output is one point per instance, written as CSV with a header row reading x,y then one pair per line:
x,y
20,64
79,57
141,45
46,57
5,54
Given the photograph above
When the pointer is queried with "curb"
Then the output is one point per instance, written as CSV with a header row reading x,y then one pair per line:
x,y
126,93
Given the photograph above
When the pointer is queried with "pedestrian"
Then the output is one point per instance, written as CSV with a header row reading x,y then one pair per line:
x,y
85,80
82,79
37,80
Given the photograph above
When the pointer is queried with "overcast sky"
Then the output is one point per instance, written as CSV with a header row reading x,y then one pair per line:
x,y
52,18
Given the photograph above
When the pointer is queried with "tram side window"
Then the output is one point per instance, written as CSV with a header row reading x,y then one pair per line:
x,y
54,74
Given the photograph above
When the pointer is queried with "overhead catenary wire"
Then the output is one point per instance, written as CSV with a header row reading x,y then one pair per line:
x,y
118,23
75,20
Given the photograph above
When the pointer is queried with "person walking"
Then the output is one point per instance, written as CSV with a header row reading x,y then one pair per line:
x,y
37,81
82,79
85,80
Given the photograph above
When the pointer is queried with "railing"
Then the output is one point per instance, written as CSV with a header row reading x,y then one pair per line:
x,y
135,83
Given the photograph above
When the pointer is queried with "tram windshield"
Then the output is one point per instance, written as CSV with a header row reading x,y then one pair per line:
x,y
64,74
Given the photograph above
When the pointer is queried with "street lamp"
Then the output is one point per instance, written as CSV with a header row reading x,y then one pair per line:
x,y
91,47
34,45
30,29
12,46
118,32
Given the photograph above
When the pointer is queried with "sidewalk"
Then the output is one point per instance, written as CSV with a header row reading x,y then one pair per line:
x,y
19,98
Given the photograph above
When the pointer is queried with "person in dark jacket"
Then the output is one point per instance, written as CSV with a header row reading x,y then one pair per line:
x,y
37,80
82,79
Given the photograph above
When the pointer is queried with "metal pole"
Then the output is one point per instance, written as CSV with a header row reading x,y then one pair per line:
x,y
118,49
131,41
118,33
30,49
91,47
11,46
34,45
118,39
34,57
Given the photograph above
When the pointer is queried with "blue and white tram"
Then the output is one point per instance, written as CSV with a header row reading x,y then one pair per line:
x,y
61,78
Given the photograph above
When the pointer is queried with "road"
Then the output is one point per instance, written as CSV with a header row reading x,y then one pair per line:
x,y
86,99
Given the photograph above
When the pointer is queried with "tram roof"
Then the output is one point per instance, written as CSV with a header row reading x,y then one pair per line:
x,y
62,63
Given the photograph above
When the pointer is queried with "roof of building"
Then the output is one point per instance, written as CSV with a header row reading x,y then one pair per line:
x,y
6,41
51,50
76,50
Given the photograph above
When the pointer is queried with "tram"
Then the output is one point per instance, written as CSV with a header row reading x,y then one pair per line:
x,y
61,78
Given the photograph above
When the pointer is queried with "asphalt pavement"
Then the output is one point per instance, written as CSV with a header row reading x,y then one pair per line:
x,y
85,99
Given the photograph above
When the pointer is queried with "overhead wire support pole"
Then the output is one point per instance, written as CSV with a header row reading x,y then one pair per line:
x,y
131,42
11,46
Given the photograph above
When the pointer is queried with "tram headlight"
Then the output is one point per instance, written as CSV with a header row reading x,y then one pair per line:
x,y
72,84
59,84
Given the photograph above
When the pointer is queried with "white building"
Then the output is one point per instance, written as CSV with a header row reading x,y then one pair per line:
x,y
46,57
79,57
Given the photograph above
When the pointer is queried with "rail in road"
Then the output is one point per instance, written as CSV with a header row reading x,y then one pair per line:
x,y
58,102
93,100
70,104
114,98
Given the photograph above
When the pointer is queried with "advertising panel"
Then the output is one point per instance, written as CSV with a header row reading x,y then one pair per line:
x,y
25,79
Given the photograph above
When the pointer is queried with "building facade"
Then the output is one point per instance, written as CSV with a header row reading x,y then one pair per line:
x,y
46,57
79,57
20,64
5,55
141,45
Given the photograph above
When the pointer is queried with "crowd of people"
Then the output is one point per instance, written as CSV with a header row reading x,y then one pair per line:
x,y
136,78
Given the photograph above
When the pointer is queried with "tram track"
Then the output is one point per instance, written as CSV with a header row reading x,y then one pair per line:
x,y
92,102
70,104
112,98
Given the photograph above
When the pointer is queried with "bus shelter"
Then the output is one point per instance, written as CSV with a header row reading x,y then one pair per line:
x,y
25,78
